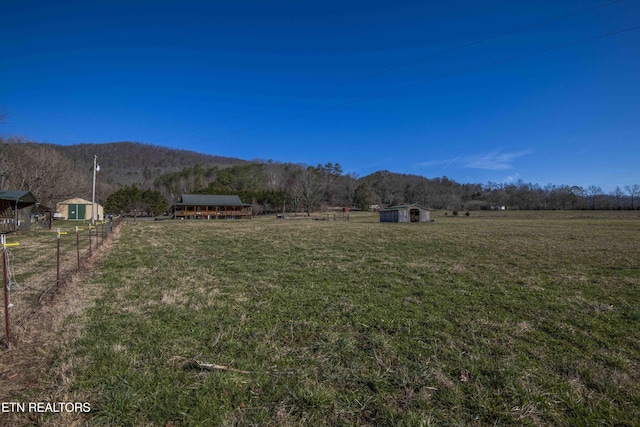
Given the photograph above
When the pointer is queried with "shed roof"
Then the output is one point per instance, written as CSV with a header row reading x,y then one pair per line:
x,y
211,200
402,207
75,201
20,198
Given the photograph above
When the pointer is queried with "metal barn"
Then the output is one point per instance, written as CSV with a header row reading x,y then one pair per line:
x,y
405,213
78,209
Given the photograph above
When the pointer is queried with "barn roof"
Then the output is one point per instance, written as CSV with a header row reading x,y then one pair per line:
x,y
211,200
20,198
402,207
75,201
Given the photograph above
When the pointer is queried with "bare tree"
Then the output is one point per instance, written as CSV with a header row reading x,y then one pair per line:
x,y
633,191
44,171
309,187
617,194
347,188
593,192
3,145
274,175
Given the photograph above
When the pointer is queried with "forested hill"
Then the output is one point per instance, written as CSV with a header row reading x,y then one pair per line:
x,y
54,173
133,163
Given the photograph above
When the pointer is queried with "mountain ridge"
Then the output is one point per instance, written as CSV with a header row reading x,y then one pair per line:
x,y
135,163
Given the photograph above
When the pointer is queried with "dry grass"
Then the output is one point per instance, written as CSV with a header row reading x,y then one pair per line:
x,y
41,328
511,319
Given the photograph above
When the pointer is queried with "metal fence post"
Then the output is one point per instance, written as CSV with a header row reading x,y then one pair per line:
x,y
6,293
90,241
5,276
58,259
58,262
78,244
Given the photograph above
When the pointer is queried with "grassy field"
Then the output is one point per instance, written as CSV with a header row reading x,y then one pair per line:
x,y
526,318
40,303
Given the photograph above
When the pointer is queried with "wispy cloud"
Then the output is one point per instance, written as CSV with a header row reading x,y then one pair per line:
x,y
445,162
496,160
430,163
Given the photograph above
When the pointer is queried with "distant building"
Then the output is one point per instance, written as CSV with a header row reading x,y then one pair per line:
x,y
13,209
487,207
208,206
405,213
78,209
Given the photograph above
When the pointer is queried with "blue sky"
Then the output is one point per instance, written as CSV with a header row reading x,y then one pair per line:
x,y
475,91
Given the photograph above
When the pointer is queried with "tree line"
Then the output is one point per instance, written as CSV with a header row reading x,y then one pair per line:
x,y
52,176
272,187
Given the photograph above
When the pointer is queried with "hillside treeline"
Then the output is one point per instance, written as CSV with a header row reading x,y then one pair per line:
x,y
42,169
54,173
132,170
272,187
133,163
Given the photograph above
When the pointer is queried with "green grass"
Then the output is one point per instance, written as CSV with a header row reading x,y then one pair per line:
x,y
480,320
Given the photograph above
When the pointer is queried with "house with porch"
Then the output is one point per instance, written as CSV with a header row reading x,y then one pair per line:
x,y
209,206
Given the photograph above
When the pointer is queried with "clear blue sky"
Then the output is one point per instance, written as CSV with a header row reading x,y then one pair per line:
x,y
415,87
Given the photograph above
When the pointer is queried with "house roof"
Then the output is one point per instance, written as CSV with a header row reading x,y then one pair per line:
x,y
20,198
211,200
402,207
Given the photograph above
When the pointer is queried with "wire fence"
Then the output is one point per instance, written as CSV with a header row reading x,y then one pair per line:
x,y
36,265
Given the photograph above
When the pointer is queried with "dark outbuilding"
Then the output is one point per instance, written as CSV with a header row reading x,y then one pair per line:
x,y
11,205
405,213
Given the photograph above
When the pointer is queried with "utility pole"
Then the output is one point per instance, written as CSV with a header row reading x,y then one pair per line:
x,y
96,168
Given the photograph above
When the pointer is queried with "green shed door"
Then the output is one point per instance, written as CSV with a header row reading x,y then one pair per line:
x,y
77,211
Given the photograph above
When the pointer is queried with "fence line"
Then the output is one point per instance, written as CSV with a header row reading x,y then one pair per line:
x,y
28,270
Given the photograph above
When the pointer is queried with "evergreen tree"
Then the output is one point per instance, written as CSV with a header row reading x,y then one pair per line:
x,y
131,198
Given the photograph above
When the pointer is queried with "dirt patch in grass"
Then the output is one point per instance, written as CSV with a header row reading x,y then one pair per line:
x,y
40,330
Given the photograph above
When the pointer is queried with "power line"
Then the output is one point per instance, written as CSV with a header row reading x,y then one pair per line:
x,y
393,68
419,83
